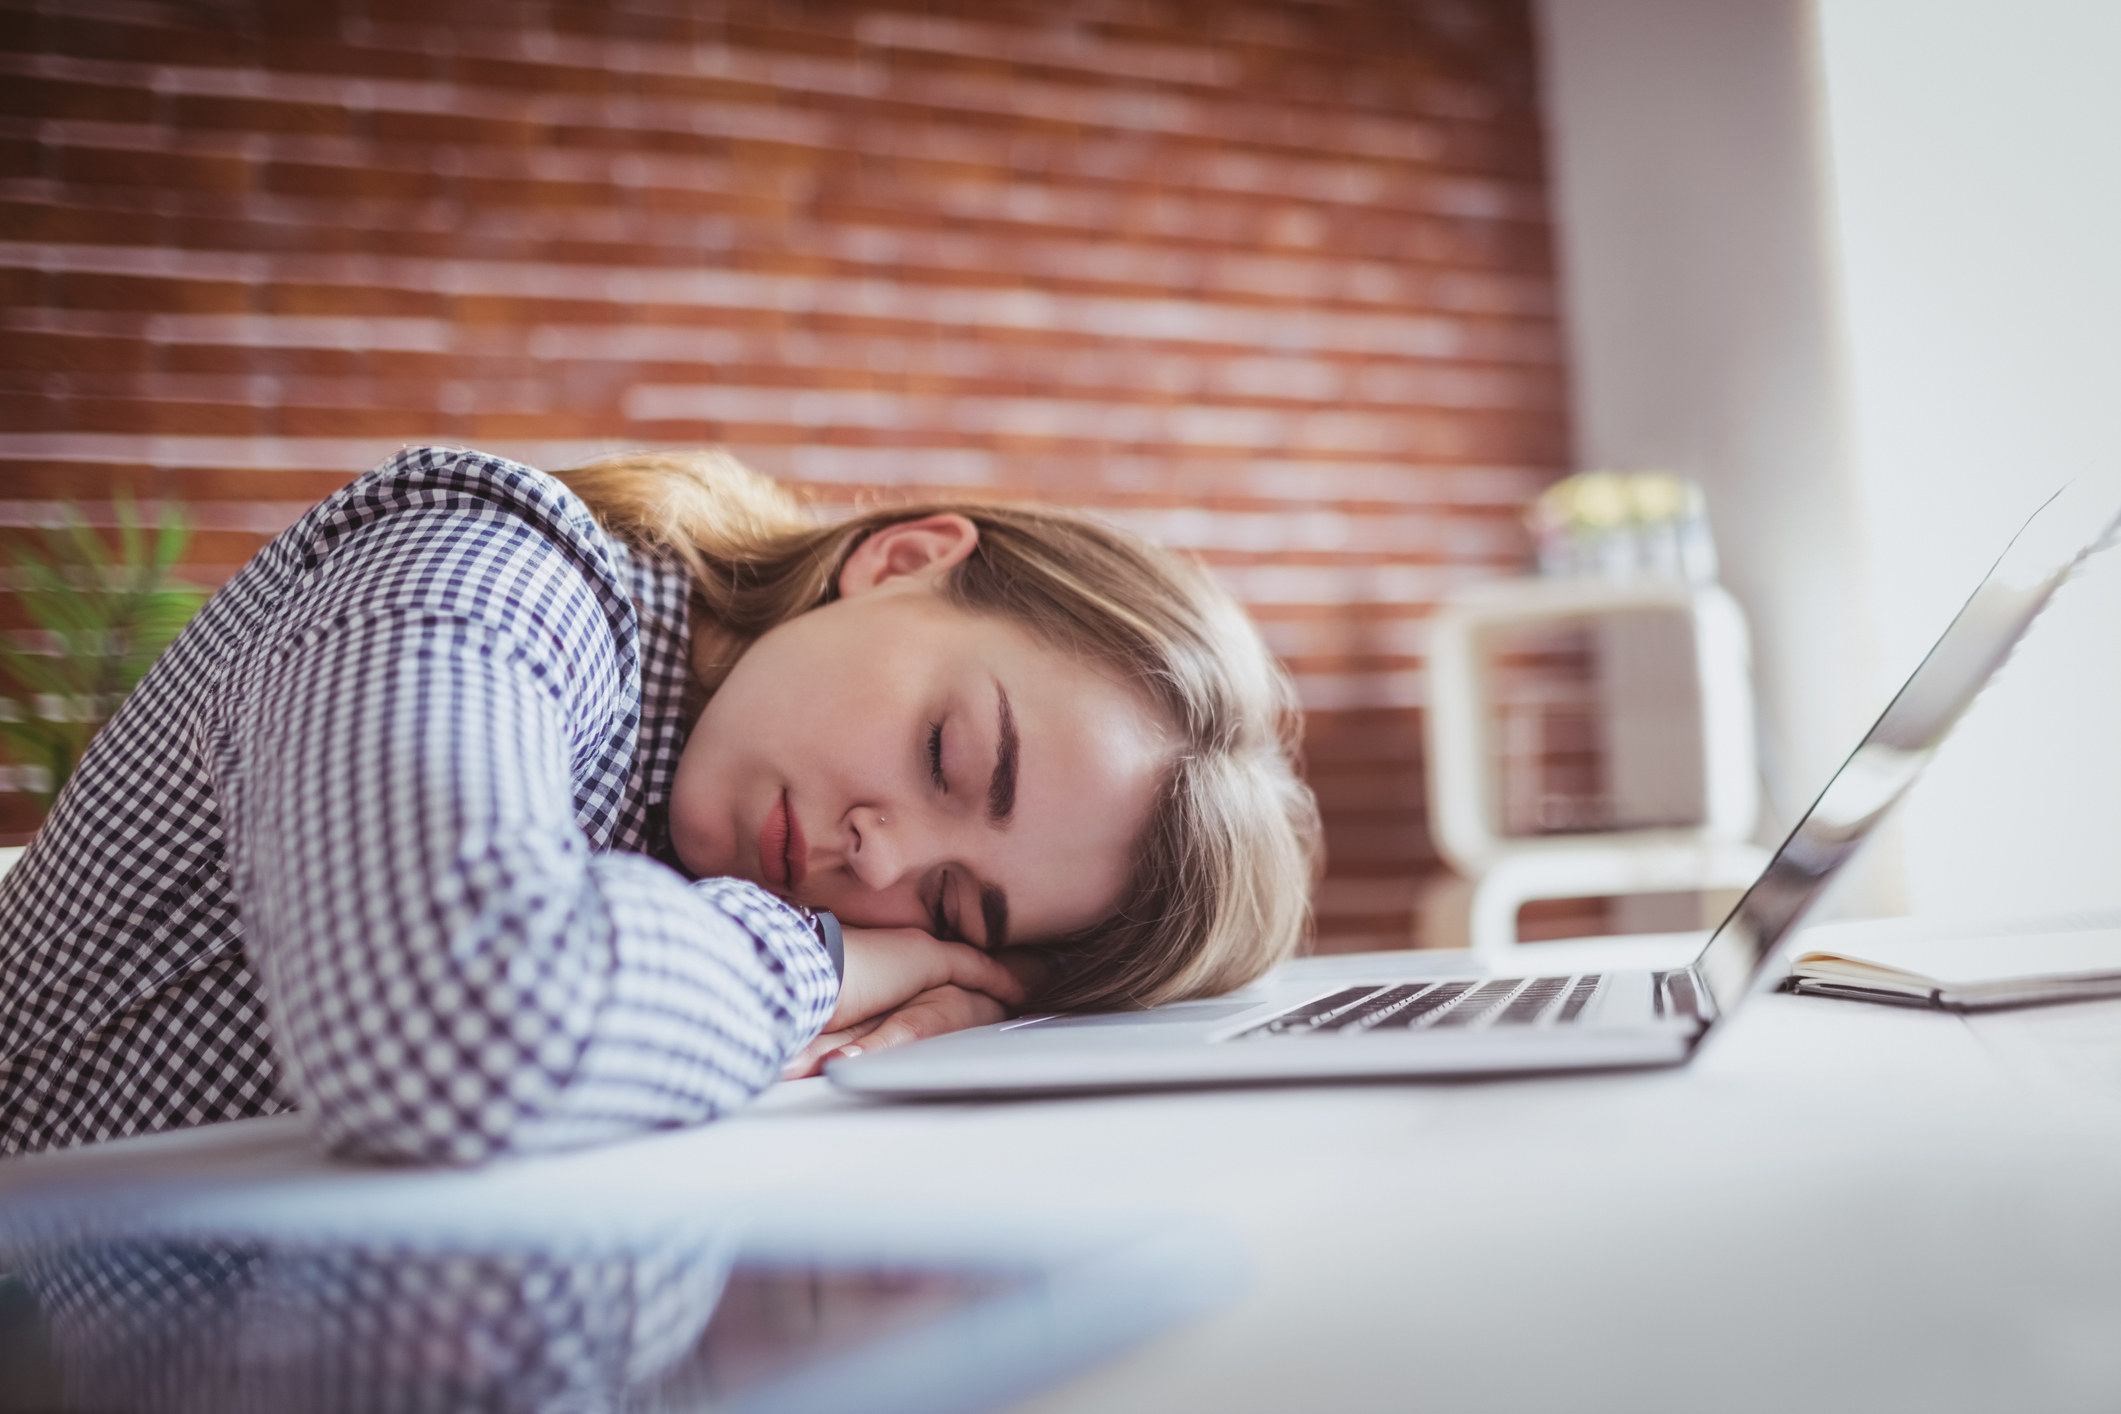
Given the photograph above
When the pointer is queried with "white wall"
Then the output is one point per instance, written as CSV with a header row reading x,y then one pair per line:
x,y
1705,331
1857,266
1976,177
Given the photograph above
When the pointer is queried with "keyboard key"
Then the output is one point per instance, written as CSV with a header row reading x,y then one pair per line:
x,y
1424,1005
1479,1003
1579,997
1531,1002
1303,1018
1383,1004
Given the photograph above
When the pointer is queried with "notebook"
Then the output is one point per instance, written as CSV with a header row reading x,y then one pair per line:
x,y
2027,965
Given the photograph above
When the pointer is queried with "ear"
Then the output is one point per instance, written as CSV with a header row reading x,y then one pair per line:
x,y
926,548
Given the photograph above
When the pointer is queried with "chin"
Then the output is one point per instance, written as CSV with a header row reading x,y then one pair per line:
x,y
705,862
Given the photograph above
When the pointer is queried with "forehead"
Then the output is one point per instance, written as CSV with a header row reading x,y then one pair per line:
x,y
1092,756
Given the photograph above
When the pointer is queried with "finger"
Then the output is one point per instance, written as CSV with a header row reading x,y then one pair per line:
x,y
811,1058
808,1060
933,1013
1028,967
982,972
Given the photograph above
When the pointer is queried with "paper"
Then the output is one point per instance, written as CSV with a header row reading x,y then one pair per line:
x,y
1955,962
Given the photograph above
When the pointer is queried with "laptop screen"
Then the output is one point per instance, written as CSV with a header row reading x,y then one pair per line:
x,y
2076,522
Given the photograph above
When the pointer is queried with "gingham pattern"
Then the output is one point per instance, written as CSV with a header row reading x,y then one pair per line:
x,y
359,845
232,1327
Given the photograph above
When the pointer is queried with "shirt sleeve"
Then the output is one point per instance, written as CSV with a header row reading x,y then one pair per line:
x,y
451,972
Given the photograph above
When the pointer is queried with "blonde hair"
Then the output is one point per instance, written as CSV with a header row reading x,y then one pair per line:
x,y
1220,890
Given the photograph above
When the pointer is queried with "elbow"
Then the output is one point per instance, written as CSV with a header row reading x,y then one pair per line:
x,y
404,1140
412,1136
428,1085
424,1115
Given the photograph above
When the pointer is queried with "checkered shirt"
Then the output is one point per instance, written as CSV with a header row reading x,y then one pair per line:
x,y
369,842
226,1327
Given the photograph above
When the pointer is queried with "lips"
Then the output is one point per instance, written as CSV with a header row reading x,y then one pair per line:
x,y
784,855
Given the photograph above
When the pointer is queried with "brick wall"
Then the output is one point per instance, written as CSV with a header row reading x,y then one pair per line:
x,y
1267,280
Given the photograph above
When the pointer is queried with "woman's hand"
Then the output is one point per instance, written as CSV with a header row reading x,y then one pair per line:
x,y
887,967
903,985
930,1013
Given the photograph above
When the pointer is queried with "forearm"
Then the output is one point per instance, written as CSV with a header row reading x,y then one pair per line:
x,y
713,987
451,972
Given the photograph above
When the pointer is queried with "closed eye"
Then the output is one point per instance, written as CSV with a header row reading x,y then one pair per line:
x,y
935,756
939,924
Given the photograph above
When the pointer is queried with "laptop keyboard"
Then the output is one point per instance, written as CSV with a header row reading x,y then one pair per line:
x,y
1505,1001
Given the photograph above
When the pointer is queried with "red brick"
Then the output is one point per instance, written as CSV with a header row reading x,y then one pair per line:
x,y
436,129
23,31
506,310
45,223
305,54
20,157
211,112
1369,790
350,183
65,98
78,290
210,47
1355,842
183,419
19,818
361,301
208,547
1546,919
601,20
484,72
273,362
22,410
490,192
95,166
561,426
74,481
57,353
1363,734
411,425
215,484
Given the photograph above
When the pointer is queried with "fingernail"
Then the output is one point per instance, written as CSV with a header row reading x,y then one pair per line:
x,y
849,1050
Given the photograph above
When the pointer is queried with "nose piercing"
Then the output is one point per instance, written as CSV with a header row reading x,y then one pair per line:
x,y
879,819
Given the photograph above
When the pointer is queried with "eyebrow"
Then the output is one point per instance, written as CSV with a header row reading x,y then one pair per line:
x,y
994,907
1001,789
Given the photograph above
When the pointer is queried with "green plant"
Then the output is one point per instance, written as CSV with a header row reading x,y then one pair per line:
x,y
103,616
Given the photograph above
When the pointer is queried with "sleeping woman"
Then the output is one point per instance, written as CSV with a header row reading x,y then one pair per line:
x,y
487,811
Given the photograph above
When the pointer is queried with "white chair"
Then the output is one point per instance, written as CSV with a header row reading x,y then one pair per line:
x,y
1674,701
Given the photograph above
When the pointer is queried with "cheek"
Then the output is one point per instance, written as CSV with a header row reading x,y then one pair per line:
x,y
701,830
779,698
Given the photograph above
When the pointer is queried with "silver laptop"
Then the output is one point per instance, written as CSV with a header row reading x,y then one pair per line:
x,y
1414,1015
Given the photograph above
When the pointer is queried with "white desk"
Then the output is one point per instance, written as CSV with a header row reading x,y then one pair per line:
x,y
1838,1206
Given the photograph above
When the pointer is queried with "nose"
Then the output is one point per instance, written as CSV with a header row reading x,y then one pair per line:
x,y
881,853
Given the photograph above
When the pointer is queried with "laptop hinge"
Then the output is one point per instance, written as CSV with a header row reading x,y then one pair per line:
x,y
1681,995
